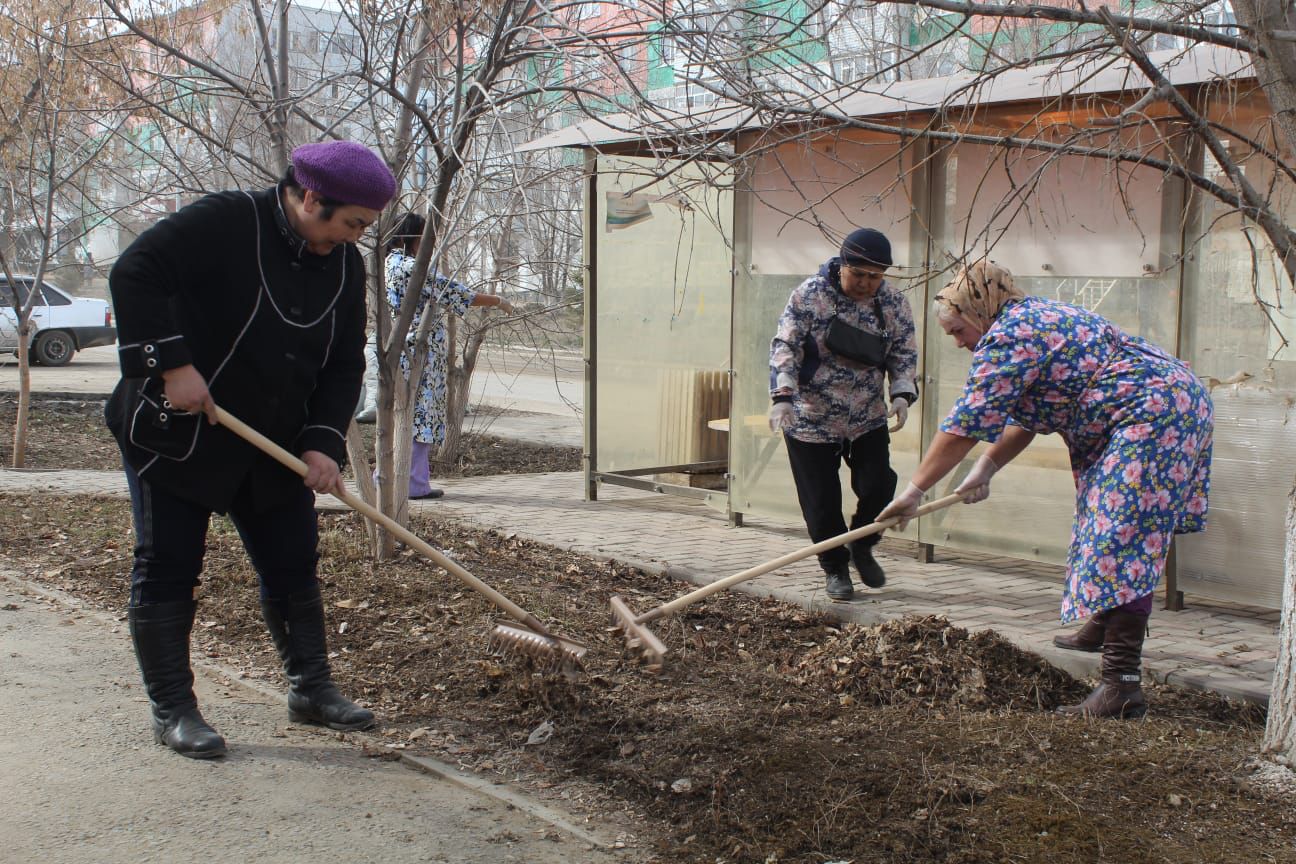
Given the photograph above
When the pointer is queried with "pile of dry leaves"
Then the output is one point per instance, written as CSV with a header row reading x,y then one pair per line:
x,y
928,662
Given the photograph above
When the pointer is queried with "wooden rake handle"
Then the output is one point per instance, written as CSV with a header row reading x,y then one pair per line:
x,y
283,457
804,552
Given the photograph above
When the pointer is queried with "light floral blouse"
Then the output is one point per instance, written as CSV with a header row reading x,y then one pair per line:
x,y
430,409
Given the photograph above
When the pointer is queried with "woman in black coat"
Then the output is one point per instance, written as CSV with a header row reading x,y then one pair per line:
x,y
254,301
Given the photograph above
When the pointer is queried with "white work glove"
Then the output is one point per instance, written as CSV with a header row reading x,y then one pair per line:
x,y
900,411
976,487
904,506
781,416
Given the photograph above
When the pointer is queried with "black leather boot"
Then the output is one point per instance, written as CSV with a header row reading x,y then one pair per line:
x,y
871,573
838,586
161,636
1120,694
297,627
1087,638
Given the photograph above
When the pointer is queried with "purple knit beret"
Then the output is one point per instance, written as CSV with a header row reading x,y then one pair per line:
x,y
344,171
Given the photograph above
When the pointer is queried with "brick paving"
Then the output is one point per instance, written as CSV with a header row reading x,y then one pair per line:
x,y
1213,645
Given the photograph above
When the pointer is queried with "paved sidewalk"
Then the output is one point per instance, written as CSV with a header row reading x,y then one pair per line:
x,y
1211,645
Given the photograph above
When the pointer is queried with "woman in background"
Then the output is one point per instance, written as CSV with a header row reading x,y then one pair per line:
x,y
430,407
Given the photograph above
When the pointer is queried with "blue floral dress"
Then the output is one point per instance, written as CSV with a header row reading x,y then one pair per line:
x,y
430,407
1138,425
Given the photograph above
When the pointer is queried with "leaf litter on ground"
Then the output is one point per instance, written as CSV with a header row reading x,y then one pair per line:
x,y
775,734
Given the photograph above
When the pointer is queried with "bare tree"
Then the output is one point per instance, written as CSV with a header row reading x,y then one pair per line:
x,y
58,125
446,93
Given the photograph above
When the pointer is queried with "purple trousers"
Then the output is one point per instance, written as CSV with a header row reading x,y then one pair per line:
x,y
419,483
419,476
1140,606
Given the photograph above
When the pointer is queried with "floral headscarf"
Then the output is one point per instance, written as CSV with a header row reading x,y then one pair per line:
x,y
979,292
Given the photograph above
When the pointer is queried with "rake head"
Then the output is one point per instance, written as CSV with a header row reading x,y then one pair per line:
x,y
639,639
549,653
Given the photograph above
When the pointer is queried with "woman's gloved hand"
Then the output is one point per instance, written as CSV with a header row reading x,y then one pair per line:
x,y
977,485
900,411
781,416
904,506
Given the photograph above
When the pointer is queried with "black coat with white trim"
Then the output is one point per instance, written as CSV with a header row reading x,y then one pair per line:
x,y
277,332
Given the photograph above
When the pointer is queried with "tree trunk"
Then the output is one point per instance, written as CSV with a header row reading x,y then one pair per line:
x,y
1276,72
460,375
1280,730
392,454
24,396
394,442
358,456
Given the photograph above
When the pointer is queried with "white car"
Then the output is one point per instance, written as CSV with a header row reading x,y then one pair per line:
x,y
64,324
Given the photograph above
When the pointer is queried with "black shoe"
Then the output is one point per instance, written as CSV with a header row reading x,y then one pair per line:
x,y
189,735
871,573
839,582
428,495
296,624
160,633
369,415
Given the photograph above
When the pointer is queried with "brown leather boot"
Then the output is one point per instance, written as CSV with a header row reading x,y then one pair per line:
x,y
1087,638
1120,694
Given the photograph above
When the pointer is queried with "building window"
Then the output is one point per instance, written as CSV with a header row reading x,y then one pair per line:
x,y
666,50
305,42
345,44
627,54
849,69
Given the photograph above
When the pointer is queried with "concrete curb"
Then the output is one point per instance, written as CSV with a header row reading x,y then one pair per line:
x,y
58,395
473,783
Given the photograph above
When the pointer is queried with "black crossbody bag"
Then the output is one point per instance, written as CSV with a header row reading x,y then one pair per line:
x,y
859,345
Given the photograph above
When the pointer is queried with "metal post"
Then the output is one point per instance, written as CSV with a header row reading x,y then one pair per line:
x,y
590,457
1174,598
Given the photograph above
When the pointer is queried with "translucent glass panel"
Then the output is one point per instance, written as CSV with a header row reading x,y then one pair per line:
x,y
1070,230
761,481
1238,311
661,327
803,199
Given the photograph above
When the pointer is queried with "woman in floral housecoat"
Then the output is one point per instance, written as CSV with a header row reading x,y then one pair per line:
x,y
1138,426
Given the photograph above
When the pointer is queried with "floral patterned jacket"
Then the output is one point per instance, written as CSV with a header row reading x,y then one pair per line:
x,y
836,398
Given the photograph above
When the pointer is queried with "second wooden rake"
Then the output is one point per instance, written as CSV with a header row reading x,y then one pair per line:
x,y
653,651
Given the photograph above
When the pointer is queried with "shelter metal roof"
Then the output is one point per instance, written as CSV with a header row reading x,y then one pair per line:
x,y
1200,64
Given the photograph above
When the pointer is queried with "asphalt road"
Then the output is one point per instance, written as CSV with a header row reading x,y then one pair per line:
x,y
519,379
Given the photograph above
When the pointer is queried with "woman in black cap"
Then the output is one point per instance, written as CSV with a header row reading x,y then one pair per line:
x,y
842,331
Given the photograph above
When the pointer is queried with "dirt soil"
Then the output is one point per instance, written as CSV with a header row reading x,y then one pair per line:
x,y
772,734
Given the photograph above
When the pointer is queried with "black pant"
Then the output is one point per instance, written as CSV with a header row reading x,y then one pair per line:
x,y
171,537
814,468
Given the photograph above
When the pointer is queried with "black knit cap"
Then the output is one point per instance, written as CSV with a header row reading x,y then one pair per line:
x,y
865,246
